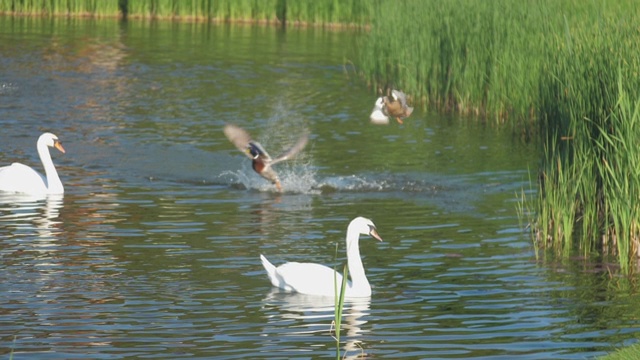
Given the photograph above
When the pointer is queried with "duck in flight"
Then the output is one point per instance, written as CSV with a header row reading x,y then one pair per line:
x,y
394,105
261,162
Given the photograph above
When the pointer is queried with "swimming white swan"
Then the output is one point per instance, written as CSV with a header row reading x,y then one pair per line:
x,y
21,178
316,279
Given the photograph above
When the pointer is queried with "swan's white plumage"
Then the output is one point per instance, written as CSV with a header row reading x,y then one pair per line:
x,y
20,178
377,114
316,279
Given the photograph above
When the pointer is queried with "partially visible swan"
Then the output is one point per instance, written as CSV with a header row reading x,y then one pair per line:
x,y
20,178
316,279
261,161
377,114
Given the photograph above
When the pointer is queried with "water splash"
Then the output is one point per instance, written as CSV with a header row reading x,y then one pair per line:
x,y
7,88
294,178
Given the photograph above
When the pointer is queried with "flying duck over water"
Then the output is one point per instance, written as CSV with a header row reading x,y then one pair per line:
x,y
261,161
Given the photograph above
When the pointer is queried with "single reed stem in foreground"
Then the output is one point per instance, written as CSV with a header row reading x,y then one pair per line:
x,y
339,303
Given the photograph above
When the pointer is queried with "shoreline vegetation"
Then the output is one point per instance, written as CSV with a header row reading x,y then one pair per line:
x,y
327,13
564,74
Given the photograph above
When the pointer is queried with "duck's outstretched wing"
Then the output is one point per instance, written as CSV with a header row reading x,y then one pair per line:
x,y
302,142
399,96
239,137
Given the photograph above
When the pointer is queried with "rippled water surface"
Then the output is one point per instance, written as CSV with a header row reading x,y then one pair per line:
x,y
153,250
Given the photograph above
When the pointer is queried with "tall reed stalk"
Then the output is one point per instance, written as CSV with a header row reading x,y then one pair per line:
x,y
339,305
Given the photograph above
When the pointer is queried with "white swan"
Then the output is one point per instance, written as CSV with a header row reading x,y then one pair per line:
x,y
316,279
21,178
377,114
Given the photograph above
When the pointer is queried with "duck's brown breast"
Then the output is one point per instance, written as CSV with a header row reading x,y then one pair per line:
x,y
258,166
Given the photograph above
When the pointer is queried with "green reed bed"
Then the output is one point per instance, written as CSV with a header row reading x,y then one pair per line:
x,y
571,65
479,57
482,57
98,8
224,10
589,186
294,12
301,12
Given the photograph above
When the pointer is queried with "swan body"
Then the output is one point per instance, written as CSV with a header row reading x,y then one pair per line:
x,y
261,162
377,114
321,280
20,178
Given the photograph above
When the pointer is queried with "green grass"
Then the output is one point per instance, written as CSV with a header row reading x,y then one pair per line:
x,y
628,353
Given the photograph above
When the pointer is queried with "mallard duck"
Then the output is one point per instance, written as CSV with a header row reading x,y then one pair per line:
x,y
261,161
20,178
317,279
396,105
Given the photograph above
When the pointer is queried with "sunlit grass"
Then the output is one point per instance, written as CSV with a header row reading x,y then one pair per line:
x,y
629,353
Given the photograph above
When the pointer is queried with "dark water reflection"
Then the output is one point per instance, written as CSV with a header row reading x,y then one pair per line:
x,y
153,251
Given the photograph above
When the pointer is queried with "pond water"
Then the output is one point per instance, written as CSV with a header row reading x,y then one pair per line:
x,y
153,251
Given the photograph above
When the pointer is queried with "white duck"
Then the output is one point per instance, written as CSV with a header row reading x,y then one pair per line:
x,y
316,279
20,178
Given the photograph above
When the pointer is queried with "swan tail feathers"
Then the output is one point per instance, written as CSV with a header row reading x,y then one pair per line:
x,y
271,270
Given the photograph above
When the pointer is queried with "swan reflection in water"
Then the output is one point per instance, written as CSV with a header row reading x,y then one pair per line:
x,y
25,215
311,314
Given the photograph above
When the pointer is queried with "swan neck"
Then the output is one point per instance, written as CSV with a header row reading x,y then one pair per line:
x,y
359,280
54,185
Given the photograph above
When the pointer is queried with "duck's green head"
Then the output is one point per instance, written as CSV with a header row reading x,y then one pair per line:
x,y
254,150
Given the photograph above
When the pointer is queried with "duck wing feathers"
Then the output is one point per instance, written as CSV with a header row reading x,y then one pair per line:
x,y
291,152
240,138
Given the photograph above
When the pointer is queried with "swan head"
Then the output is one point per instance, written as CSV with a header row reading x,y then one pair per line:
x,y
50,140
378,115
379,103
364,226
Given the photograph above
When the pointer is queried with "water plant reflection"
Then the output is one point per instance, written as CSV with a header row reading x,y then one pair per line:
x,y
312,315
